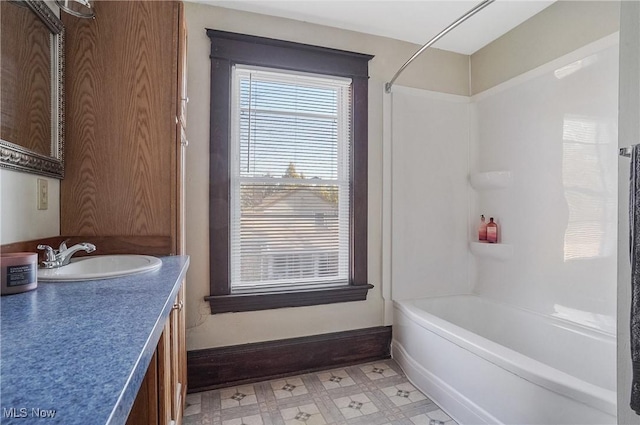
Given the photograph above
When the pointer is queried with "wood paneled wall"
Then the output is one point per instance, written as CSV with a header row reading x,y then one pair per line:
x,y
121,84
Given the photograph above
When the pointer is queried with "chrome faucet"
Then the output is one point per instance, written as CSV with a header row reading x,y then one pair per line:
x,y
60,257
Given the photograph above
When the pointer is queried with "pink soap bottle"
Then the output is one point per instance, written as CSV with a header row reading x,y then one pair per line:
x,y
492,231
482,229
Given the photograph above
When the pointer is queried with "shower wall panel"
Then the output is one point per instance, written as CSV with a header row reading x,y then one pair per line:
x,y
429,207
555,130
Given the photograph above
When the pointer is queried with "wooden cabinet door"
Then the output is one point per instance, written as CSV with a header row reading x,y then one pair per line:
x,y
177,318
176,370
120,116
182,343
181,352
160,400
164,350
181,125
145,407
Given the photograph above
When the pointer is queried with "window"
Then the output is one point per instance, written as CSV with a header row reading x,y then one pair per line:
x,y
290,144
288,200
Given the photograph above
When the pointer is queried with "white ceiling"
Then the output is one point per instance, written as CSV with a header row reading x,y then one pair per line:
x,y
415,21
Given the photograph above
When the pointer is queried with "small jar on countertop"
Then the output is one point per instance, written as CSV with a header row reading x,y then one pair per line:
x,y
18,272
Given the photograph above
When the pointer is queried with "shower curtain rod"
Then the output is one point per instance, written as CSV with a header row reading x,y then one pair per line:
x,y
470,13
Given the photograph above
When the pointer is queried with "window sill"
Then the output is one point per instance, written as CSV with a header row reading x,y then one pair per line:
x,y
268,301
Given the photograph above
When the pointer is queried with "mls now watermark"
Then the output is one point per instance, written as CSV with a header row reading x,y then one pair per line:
x,y
23,412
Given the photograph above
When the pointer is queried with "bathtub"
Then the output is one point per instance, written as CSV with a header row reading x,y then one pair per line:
x,y
485,362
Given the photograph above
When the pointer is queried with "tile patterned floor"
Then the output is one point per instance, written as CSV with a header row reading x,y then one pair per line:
x,y
375,393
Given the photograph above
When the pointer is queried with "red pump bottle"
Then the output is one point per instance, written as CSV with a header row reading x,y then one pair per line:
x,y
492,231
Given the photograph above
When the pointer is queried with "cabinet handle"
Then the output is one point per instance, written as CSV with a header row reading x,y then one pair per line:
x,y
178,306
184,142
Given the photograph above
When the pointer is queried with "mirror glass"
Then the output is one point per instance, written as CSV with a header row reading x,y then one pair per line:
x,y
31,124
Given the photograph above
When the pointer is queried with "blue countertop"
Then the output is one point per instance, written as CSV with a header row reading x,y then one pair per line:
x,y
76,352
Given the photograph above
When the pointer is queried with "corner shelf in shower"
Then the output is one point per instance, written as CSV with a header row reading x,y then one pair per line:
x,y
490,180
496,251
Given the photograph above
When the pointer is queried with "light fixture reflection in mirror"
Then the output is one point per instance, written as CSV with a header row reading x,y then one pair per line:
x,y
79,8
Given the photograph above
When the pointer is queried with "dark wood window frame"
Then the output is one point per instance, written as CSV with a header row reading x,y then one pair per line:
x,y
228,49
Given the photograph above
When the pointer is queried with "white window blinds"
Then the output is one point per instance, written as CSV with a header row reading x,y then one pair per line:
x,y
290,169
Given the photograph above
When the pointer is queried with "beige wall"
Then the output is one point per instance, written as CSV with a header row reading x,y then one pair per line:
x,y
438,70
559,29
20,219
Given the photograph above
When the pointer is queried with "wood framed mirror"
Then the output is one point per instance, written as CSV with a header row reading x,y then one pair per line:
x,y
31,88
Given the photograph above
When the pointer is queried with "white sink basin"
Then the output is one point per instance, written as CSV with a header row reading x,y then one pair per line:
x,y
100,267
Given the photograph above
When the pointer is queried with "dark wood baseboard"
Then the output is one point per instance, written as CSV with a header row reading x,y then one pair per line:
x,y
241,364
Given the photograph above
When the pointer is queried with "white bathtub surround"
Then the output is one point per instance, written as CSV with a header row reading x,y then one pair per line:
x,y
487,362
497,251
540,156
490,180
555,129
541,152
426,170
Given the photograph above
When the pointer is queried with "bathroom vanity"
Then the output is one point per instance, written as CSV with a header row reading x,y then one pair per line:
x,y
109,351
96,352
